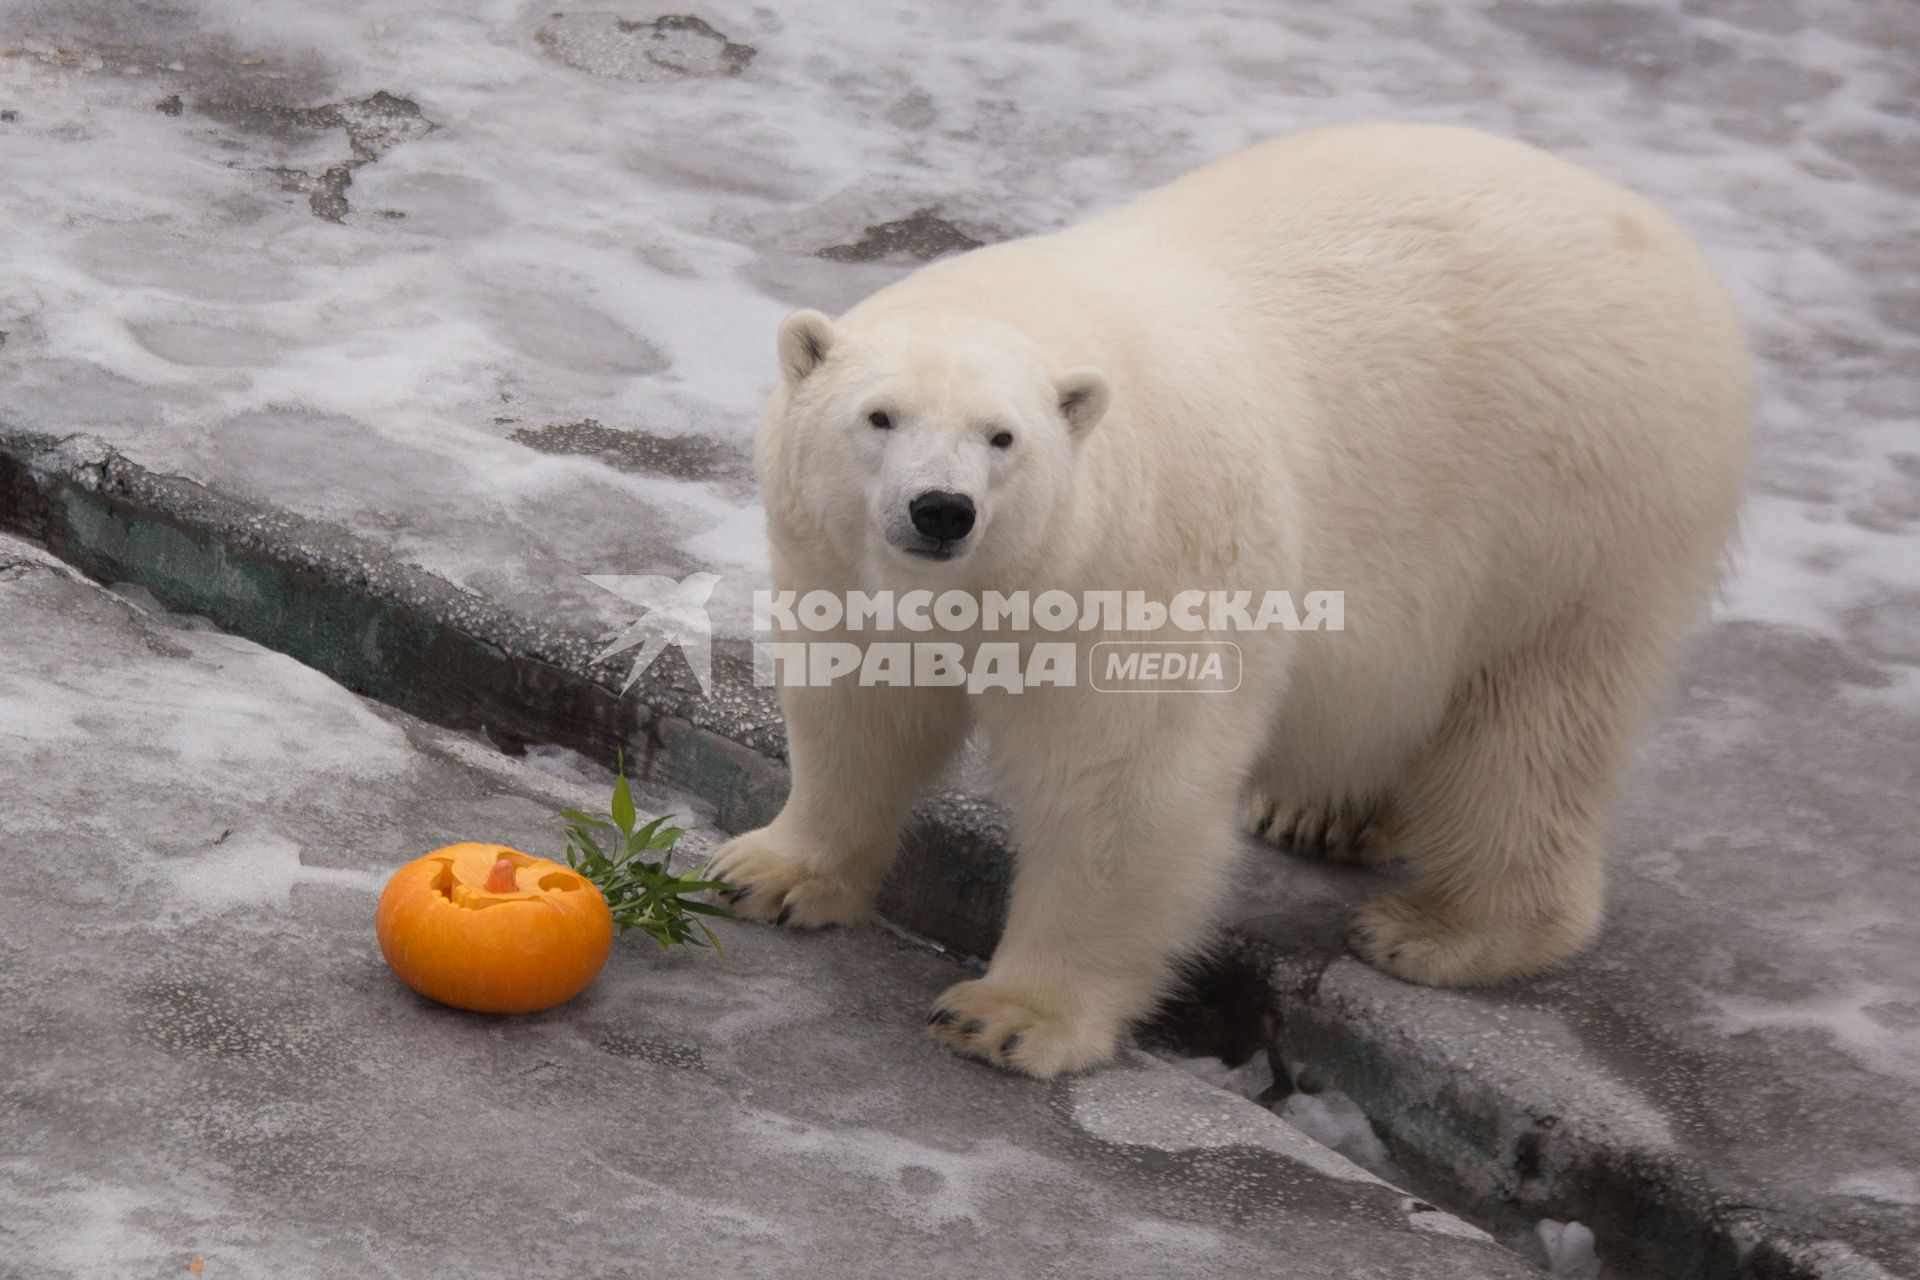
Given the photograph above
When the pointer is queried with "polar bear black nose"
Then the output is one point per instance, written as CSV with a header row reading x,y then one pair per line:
x,y
943,515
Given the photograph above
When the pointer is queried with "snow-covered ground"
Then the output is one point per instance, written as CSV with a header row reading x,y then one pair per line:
x,y
380,262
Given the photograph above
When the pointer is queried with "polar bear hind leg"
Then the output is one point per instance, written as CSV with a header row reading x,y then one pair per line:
x,y
1501,818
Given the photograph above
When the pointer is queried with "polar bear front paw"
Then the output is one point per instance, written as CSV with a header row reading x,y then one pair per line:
x,y
769,885
984,1020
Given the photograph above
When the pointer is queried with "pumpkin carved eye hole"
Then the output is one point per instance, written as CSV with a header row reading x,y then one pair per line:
x,y
558,882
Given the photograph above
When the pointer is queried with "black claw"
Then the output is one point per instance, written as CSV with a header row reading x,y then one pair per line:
x,y
973,1028
738,894
940,1017
1008,1045
786,914
1394,954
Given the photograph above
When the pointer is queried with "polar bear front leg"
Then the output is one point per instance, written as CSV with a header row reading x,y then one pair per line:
x,y
860,756
1120,865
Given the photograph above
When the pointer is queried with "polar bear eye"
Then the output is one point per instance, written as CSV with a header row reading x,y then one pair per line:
x,y
880,419
1002,440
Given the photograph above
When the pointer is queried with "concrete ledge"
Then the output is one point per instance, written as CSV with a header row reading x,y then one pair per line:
x,y
1505,1112
1506,1142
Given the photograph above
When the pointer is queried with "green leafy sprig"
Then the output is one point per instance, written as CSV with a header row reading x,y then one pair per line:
x,y
643,892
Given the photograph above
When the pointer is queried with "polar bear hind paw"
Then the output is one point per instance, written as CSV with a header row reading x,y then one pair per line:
x,y
1418,939
1355,830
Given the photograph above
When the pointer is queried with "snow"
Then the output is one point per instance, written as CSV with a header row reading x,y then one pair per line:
x,y
1873,1021
1894,1186
590,220
570,766
1569,1247
230,703
81,1227
251,870
1250,1079
1335,1121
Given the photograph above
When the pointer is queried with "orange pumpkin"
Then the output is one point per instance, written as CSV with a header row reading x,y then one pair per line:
x,y
488,928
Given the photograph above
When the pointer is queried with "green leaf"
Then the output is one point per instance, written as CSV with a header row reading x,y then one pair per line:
x,y
623,805
577,818
644,839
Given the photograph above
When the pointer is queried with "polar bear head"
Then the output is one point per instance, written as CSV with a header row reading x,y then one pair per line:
x,y
937,443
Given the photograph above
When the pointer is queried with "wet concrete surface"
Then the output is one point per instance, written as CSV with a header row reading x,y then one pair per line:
x,y
682,457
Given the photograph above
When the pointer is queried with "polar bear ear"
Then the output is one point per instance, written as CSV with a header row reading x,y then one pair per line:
x,y
805,339
1084,395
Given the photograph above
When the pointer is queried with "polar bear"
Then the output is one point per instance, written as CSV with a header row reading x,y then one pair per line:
x,y
1497,401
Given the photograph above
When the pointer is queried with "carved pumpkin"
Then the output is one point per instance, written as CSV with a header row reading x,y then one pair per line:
x,y
484,927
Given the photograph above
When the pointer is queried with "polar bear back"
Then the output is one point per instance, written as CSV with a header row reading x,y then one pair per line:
x,y
1414,360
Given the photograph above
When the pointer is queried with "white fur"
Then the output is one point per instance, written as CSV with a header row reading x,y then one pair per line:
x,y
1498,401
